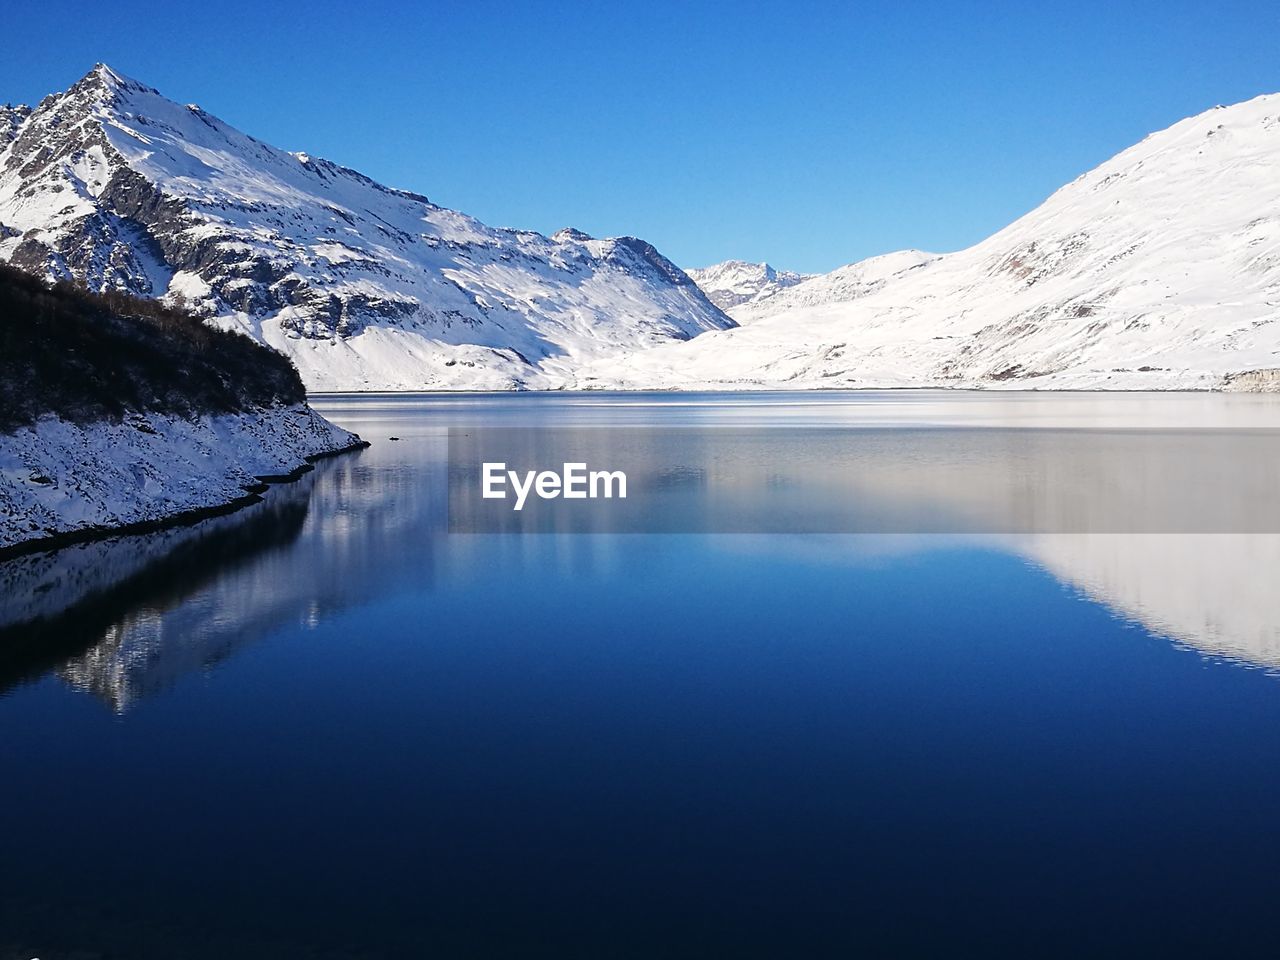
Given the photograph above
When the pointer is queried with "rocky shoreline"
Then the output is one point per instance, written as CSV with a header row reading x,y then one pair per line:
x,y
1254,381
63,483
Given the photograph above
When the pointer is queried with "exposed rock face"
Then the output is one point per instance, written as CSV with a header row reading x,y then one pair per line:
x,y
1259,381
11,118
115,187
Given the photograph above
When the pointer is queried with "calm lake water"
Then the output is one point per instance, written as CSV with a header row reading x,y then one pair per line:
x,y
328,727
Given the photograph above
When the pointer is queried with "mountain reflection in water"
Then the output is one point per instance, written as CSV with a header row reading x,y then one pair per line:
x,y
127,617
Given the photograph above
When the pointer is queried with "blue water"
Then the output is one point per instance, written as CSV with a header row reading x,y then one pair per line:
x,y
326,727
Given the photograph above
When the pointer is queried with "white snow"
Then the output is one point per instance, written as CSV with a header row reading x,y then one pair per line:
x,y
742,289
842,285
1159,269
1212,592
59,477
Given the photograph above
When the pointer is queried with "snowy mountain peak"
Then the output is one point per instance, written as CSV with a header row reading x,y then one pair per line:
x,y
566,234
104,84
104,72
114,186
736,284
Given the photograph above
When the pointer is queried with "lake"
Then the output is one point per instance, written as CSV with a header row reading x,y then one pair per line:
x,y
1014,720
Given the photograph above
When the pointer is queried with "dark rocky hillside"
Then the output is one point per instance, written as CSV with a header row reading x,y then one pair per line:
x,y
86,356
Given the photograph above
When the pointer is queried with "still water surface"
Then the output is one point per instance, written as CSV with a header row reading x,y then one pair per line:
x,y
326,727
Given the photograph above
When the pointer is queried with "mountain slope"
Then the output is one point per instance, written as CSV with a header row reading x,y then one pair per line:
x,y
83,357
736,286
117,411
363,286
842,285
1158,269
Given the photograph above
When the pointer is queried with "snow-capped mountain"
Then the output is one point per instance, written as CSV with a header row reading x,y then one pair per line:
x,y
841,285
1158,269
363,286
736,287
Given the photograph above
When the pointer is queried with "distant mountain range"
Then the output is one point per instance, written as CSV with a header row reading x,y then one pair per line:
x,y
841,285
736,287
1160,269
363,286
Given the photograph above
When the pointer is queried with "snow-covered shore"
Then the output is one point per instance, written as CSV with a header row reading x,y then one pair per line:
x,y
61,482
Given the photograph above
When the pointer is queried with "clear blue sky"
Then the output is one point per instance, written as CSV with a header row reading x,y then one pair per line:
x,y
806,134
